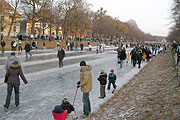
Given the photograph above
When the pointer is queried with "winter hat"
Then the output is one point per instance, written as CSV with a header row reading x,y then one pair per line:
x,y
112,70
82,63
64,100
58,109
15,63
13,53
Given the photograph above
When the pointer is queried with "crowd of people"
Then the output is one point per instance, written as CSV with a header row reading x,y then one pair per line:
x,y
66,109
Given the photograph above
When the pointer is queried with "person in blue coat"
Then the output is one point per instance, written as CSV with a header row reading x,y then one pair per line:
x,y
112,80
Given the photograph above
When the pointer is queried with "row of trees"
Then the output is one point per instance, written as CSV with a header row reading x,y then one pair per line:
x,y
174,34
76,17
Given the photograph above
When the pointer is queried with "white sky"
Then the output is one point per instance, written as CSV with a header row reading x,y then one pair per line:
x,y
152,16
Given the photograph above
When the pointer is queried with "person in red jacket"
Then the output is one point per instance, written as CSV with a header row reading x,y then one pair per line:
x,y
2,36
59,113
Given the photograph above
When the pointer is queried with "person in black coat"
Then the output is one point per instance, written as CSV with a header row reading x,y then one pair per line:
x,y
13,81
134,57
139,57
148,53
60,55
27,49
121,56
3,44
103,81
70,109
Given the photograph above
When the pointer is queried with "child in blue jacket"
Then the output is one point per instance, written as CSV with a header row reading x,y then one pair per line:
x,y
112,80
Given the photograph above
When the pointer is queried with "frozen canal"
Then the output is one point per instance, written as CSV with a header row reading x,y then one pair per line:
x,y
48,84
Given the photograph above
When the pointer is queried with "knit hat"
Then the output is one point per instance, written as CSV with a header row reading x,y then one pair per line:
x,y
64,100
82,63
58,109
15,63
112,70
13,53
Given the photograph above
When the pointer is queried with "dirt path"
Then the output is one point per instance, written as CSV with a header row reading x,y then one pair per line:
x,y
153,94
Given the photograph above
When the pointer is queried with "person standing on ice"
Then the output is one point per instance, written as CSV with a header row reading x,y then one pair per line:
x,y
27,49
121,56
60,56
86,86
103,81
13,81
112,80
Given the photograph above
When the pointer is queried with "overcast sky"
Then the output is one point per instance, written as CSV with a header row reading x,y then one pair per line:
x,y
152,16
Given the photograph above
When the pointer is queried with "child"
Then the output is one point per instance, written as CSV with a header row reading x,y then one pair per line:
x,y
127,57
59,113
144,57
70,109
112,79
103,81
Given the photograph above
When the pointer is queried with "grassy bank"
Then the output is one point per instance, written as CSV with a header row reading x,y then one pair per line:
x,y
152,94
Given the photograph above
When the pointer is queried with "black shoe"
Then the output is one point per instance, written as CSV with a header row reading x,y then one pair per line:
x,y
17,105
5,107
100,97
75,118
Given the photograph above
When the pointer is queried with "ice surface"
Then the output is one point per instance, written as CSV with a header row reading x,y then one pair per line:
x,y
48,87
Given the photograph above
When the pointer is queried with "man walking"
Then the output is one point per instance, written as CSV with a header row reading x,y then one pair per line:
x,y
60,55
3,43
27,49
86,86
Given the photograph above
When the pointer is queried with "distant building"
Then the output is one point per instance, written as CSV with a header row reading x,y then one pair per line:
x,y
6,12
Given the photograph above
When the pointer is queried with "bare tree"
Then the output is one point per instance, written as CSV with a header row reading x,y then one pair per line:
x,y
13,14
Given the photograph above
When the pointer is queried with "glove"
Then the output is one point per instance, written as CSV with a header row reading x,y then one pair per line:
x,y
78,85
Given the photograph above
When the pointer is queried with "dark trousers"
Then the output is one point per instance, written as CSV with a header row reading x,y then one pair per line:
x,y
20,48
2,51
134,63
113,83
139,63
9,92
96,51
178,57
102,91
60,63
86,104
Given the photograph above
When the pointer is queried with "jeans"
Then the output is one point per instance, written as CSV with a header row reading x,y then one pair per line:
x,y
29,54
2,51
102,91
9,92
121,63
60,63
111,82
86,104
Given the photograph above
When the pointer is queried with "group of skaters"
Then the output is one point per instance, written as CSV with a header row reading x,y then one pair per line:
x,y
100,47
139,53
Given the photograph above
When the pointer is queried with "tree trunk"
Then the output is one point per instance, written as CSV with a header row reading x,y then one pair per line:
x,y
13,18
33,19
